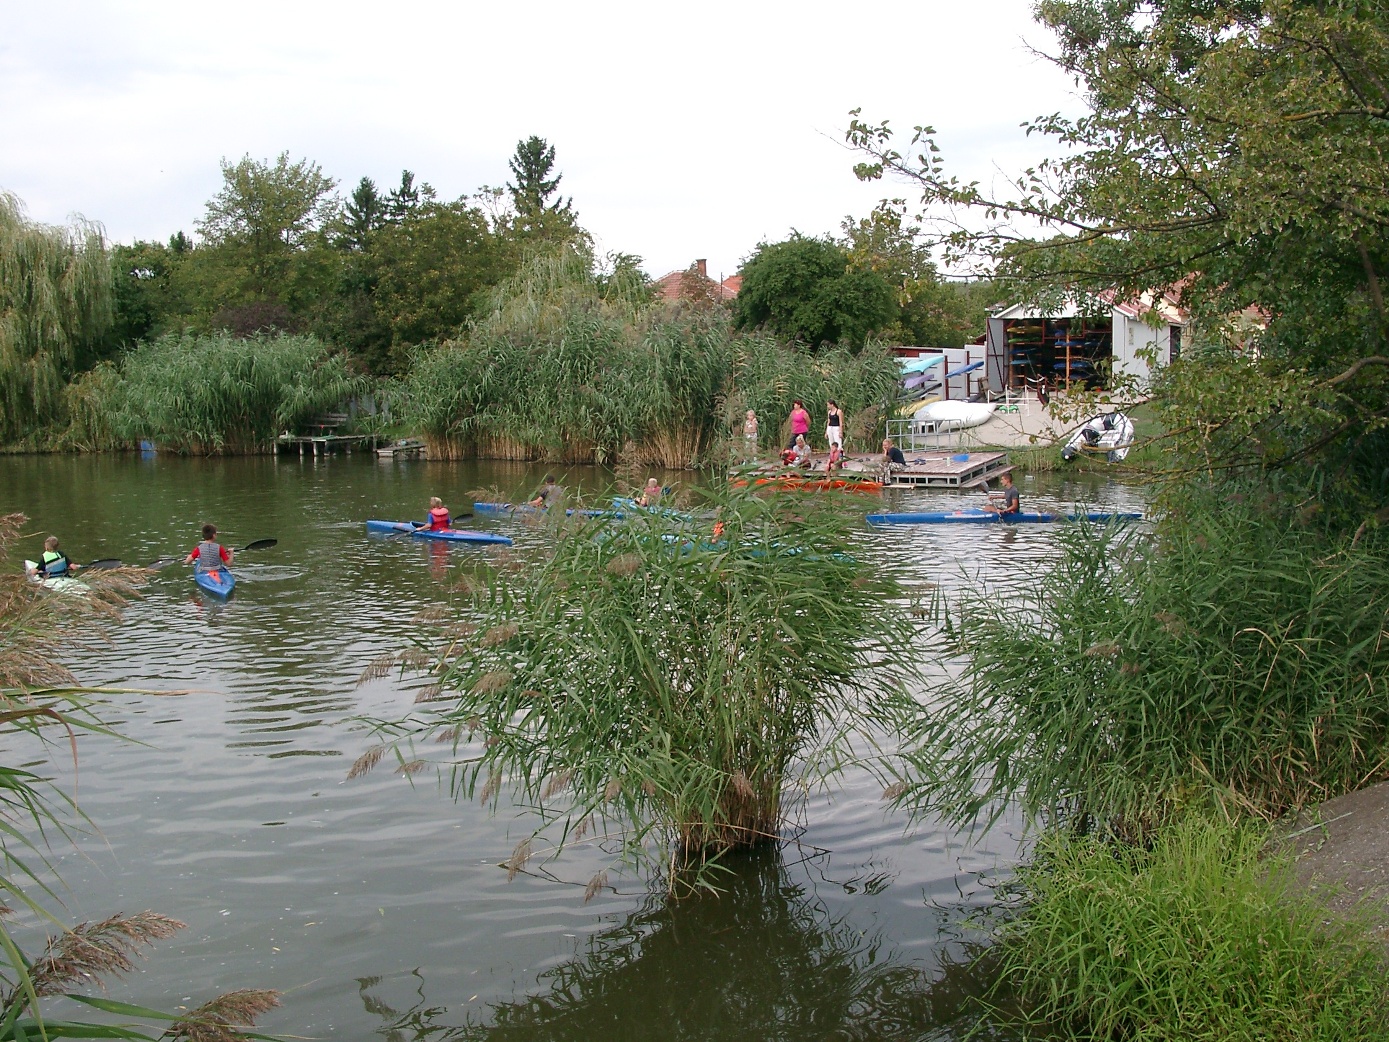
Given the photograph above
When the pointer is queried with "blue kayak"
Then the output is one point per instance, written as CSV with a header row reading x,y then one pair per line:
x,y
988,517
219,583
502,509
451,535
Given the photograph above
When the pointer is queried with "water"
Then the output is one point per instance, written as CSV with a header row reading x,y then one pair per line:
x,y
377,905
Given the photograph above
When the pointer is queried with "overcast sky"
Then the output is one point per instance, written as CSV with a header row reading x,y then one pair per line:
x,y
682,130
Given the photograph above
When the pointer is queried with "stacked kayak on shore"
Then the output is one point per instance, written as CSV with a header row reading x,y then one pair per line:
x,y
417,530
989,517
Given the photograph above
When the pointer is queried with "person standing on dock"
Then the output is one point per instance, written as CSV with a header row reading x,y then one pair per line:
x,y
800,423
750,434
834,425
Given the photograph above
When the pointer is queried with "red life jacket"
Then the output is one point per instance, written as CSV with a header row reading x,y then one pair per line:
x,y
438,518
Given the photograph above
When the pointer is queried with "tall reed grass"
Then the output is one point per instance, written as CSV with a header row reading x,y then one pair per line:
x,y
571,368
1239,658
43,713
648,675
209,394
1196,938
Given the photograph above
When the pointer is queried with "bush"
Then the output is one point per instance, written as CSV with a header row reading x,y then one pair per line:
x,y
1242,655
1194,940
649,672
209,394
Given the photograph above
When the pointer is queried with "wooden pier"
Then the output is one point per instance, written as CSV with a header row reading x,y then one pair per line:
x,y
323,444
935,469
407,448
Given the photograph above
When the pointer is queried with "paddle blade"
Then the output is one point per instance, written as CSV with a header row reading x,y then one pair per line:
x,y
104,563
162,562
259,544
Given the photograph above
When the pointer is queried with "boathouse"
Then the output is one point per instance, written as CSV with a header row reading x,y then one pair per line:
x,y
1082,342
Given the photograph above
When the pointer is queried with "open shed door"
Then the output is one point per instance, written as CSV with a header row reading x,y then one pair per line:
x,y
996,357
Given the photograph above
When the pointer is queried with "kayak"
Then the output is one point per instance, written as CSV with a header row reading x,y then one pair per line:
x,y
526,508
220,583
451,535
988,517
56,583
955,415
792,481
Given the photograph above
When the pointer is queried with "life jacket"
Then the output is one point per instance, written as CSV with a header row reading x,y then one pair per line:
x,y
438,518
209,557
53,562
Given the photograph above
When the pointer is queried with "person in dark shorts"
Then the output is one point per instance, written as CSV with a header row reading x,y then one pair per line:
x,y
1006,500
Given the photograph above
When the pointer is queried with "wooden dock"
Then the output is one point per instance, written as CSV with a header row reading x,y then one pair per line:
x,y
323,444
407,448
935,469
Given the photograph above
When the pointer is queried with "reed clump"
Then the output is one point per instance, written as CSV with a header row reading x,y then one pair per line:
x,y
1238,656
1196,937
208,394
679,682
571,369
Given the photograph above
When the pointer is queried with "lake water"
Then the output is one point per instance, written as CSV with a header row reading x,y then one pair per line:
x,y
377,905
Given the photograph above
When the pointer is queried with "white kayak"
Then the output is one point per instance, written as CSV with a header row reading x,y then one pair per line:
x,y
954,415
1110,433
56,583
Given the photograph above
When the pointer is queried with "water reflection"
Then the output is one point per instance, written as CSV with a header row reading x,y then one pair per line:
x,y
688,971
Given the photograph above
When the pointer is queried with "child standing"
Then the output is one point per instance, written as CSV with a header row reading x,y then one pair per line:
x,y
209,555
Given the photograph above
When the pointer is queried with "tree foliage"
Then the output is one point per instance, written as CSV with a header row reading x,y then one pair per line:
x,y
806,289
55,310
1233,149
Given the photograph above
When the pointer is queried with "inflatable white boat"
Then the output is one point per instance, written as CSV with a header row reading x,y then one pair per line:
x,y
1110,433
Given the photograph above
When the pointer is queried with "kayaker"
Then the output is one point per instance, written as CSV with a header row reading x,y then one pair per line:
x,y
54,561
550,493
651,494
209,555
892,455
1007,501
438,515
800,423
834,425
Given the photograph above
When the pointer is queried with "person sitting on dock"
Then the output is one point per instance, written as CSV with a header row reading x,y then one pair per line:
x,y
550,493
799,453
892,455
209,555
438,515
54,561
836,460
1008,501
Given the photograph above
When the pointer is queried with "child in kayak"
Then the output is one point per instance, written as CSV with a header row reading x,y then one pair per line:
x,y
209,555
54,561
438,515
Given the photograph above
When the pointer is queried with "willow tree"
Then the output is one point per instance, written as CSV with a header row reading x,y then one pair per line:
x,y
55,307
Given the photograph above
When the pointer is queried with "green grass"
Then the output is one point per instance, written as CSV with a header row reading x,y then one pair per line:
x,y
1196,938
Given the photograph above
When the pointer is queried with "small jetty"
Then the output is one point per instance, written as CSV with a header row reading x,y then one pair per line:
x,y
406,448
323,438
924,469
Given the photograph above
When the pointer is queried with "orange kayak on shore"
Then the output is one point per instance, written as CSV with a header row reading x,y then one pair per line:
x,y
793,481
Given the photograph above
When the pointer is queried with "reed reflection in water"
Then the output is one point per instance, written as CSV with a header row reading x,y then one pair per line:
x,y
686,970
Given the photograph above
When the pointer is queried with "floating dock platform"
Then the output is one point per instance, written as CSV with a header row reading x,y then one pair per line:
x,y
323,444
934,469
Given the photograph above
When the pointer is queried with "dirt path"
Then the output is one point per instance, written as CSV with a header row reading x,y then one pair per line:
x,y
1342,849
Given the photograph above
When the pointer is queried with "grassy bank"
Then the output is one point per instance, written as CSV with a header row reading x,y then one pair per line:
x,y
1197,937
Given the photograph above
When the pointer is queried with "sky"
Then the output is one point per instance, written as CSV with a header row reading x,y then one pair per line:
x,y
682,131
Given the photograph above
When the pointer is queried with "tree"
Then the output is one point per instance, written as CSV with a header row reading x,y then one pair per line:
x,y
403,200
531,165
265,214
55,309
806,289
1238,150
364,214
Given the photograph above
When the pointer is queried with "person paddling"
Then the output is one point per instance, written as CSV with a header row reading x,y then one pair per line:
x,y
651,494
209,555
438,515
1009,503
54,561
549,494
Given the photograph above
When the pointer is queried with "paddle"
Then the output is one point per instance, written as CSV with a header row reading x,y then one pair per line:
x,y
104,563
164,562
